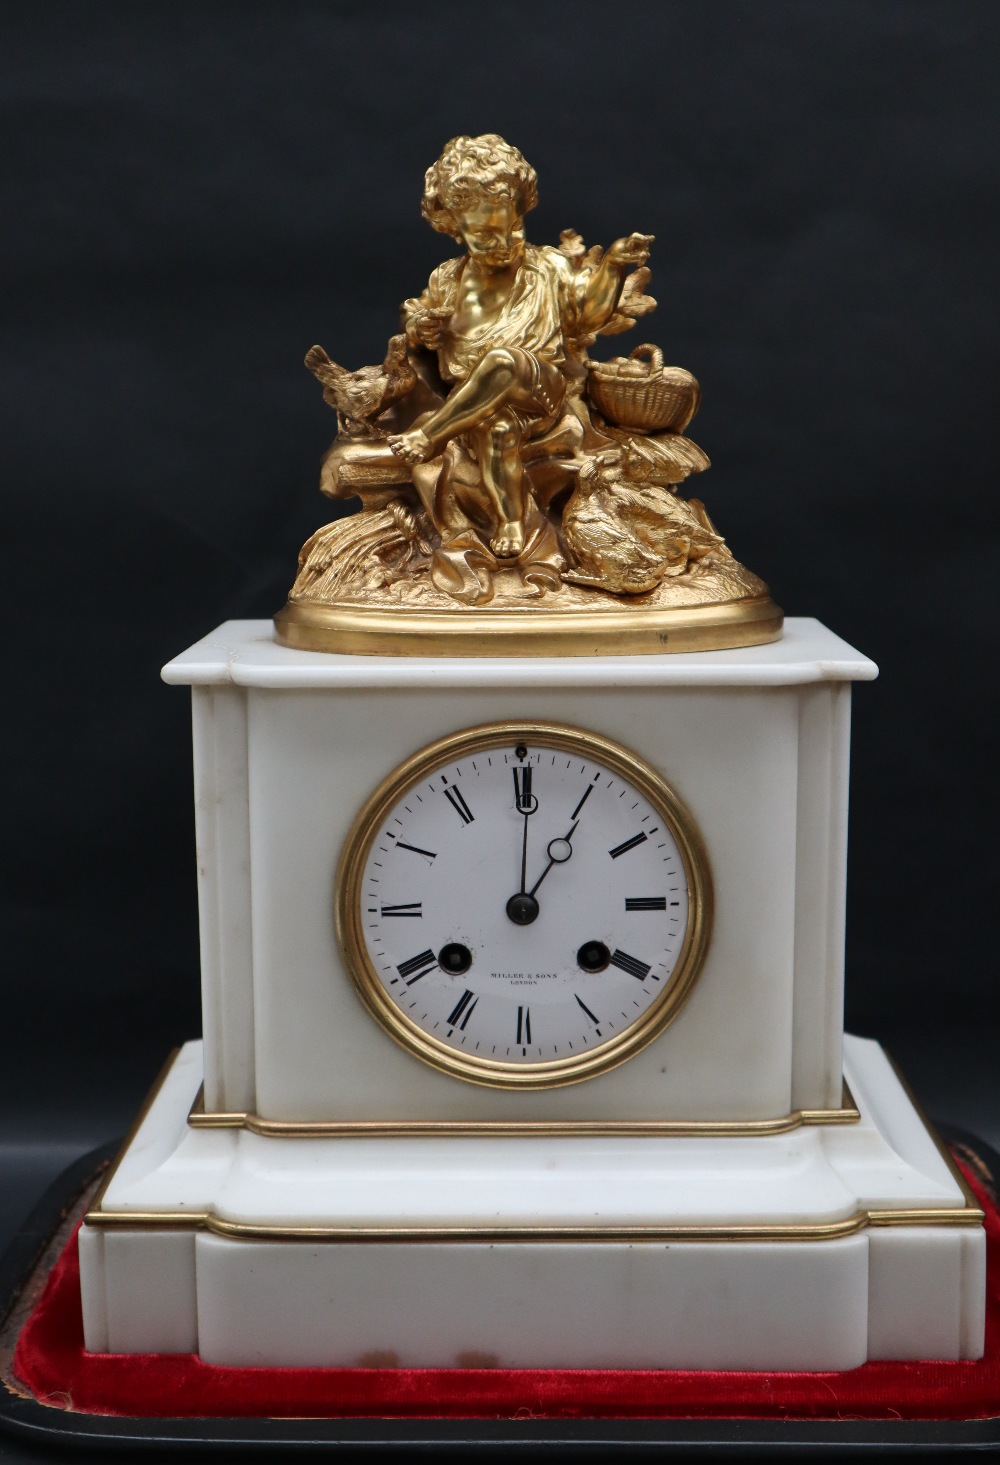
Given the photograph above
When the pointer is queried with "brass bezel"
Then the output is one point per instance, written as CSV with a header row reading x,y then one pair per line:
x,y
491,1073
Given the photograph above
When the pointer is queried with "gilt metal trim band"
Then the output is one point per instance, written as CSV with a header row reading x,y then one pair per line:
x,y
792,1231
968,1215
202,1118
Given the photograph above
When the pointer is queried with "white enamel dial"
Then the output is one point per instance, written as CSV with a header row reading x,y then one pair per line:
x,y
527,905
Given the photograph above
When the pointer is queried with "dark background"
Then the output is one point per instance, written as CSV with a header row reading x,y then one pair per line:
x,y
195,193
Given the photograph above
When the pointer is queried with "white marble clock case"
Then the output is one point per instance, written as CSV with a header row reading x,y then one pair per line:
x,y
757,1242
288,745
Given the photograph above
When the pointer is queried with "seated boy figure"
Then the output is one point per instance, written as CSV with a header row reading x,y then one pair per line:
x,y
504,319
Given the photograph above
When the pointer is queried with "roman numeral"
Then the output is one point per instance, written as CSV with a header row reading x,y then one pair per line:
x,y
628,844
630,964
409,908
522,789
410,970
645,902
468,1001
586,1009
523,1025
457,802
427,854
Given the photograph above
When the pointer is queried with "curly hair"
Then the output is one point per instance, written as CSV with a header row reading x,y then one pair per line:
x,y
476,167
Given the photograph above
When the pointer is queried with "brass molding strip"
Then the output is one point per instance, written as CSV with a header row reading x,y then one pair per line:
x,y
646,631
793,1231
134,1128
949,1159
969,1215
200,1118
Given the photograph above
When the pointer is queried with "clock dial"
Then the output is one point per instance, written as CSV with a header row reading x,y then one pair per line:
x,y
524,905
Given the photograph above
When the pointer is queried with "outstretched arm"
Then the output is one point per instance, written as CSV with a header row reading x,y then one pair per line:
x,y
605,285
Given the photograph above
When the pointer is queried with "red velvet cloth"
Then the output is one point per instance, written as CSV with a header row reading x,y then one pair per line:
x,y
50,1361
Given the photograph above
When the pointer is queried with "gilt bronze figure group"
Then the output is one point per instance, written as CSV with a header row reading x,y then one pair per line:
x,y
505,474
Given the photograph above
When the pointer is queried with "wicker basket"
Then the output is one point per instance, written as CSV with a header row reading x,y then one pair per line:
x,y
645,395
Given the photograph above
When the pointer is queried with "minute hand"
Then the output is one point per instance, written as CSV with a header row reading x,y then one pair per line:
x,y
563,849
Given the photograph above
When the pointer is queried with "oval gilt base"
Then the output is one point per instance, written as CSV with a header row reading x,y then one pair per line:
x,y
409,630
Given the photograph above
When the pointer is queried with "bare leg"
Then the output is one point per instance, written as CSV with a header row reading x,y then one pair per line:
x,y
501,377
497,446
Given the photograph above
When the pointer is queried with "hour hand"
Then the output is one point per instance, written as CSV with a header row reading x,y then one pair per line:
x,y
524,799
526,804
523,908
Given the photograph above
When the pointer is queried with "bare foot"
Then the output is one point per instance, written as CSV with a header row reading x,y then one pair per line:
x,y
508,541
413,446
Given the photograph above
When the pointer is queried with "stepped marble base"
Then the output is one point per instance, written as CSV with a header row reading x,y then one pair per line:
x,y
813,1249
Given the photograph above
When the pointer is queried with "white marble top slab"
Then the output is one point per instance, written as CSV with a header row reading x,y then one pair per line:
x,y
246,654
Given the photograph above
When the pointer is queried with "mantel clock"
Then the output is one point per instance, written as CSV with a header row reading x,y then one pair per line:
x,y
522,841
